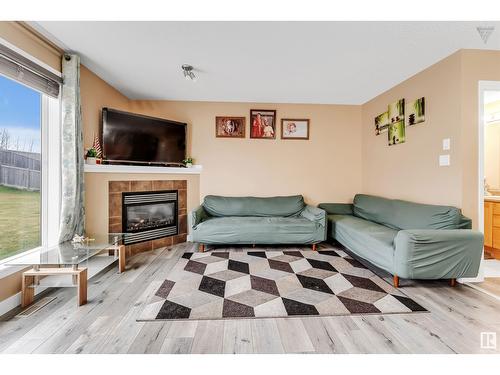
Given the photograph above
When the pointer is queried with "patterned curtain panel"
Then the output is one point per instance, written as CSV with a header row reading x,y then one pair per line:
x,y
72,210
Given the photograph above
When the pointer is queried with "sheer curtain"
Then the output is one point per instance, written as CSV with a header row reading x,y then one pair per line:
x,y
72,189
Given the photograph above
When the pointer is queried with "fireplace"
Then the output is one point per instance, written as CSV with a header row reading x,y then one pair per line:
x,y
149,215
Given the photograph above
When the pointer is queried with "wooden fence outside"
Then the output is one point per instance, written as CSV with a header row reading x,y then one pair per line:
x,y
20,169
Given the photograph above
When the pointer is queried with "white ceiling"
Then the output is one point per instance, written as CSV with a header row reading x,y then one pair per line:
x,y
279,62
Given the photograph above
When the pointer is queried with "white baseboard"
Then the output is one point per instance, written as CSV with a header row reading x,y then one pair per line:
x,y
474,286
14,301
466,280
10,303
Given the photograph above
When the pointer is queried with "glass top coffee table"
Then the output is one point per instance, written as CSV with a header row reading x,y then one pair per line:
x,y
52,265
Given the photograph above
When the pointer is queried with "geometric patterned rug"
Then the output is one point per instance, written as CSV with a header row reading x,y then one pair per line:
x,y
223,284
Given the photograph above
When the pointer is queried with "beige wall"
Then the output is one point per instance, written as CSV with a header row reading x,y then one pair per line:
x,y
410,170
342,157
450,88
95,94
492,155
327,167
26,39
492,148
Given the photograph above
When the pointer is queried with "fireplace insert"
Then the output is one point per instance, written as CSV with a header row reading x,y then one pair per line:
x,y
149,215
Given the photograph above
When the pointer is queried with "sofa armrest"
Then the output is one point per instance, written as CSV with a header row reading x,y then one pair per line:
x,y
314,214
337,208
465,222
198,216
437,254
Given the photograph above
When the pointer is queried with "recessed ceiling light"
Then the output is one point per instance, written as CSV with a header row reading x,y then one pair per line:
x,y
485,32
188,72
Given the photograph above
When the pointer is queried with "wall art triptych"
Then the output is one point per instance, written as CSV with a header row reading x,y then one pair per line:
x,y
398,116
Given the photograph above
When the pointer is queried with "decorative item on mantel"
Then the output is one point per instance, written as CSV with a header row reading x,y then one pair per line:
x,y
91,156
188,162
97,147
94,154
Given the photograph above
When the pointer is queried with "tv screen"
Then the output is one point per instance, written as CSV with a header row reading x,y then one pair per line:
x,y
133,138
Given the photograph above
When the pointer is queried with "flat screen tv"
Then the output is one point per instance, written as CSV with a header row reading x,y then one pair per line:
x,y
129,138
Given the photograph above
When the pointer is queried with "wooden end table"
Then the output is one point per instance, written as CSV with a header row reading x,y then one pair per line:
x,y
81,261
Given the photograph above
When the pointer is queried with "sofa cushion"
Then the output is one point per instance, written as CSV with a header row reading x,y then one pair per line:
x,y
399,214
371,241
337,208
262,230
253,206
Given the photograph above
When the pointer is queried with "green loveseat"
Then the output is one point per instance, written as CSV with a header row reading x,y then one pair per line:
x,y
252,220
408,240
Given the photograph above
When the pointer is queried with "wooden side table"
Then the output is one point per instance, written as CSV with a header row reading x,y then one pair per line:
x,y
66,259
30,278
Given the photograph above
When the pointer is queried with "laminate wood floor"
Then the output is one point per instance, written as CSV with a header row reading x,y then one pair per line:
x,y
107,324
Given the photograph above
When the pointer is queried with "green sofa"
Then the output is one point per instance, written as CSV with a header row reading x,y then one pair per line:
x,y
408,240
252,220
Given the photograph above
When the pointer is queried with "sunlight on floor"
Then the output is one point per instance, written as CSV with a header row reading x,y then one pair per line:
x,y
492,268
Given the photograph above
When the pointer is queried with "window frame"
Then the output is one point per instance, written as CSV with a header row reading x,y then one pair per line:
x,y
50,144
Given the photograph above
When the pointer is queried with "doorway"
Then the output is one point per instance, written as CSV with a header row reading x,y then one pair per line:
x,y
489,186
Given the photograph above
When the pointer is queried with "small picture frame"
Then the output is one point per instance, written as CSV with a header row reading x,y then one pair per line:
x,y
294,128
263,123
230,127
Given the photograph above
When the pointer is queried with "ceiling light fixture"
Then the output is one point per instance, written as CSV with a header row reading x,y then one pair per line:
x,y
485,32
188,72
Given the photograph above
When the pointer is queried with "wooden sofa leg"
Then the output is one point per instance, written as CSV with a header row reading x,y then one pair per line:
x,y
314,247
453,282
395,281
201,247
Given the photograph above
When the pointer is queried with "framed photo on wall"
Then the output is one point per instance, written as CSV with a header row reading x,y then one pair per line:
x,y
262,123
294,128
229,127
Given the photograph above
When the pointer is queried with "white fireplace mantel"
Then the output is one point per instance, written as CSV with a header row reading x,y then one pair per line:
x,y
108,168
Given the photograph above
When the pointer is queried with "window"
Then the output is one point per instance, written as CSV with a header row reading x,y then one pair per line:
x,y
20,168
29,164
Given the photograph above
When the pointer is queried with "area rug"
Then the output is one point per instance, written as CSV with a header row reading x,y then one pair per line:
x,y
223,284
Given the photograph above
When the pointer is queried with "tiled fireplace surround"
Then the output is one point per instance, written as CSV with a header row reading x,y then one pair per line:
x,y
116,188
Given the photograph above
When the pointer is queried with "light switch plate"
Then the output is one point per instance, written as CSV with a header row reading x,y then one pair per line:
x,y
446,144
444,160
